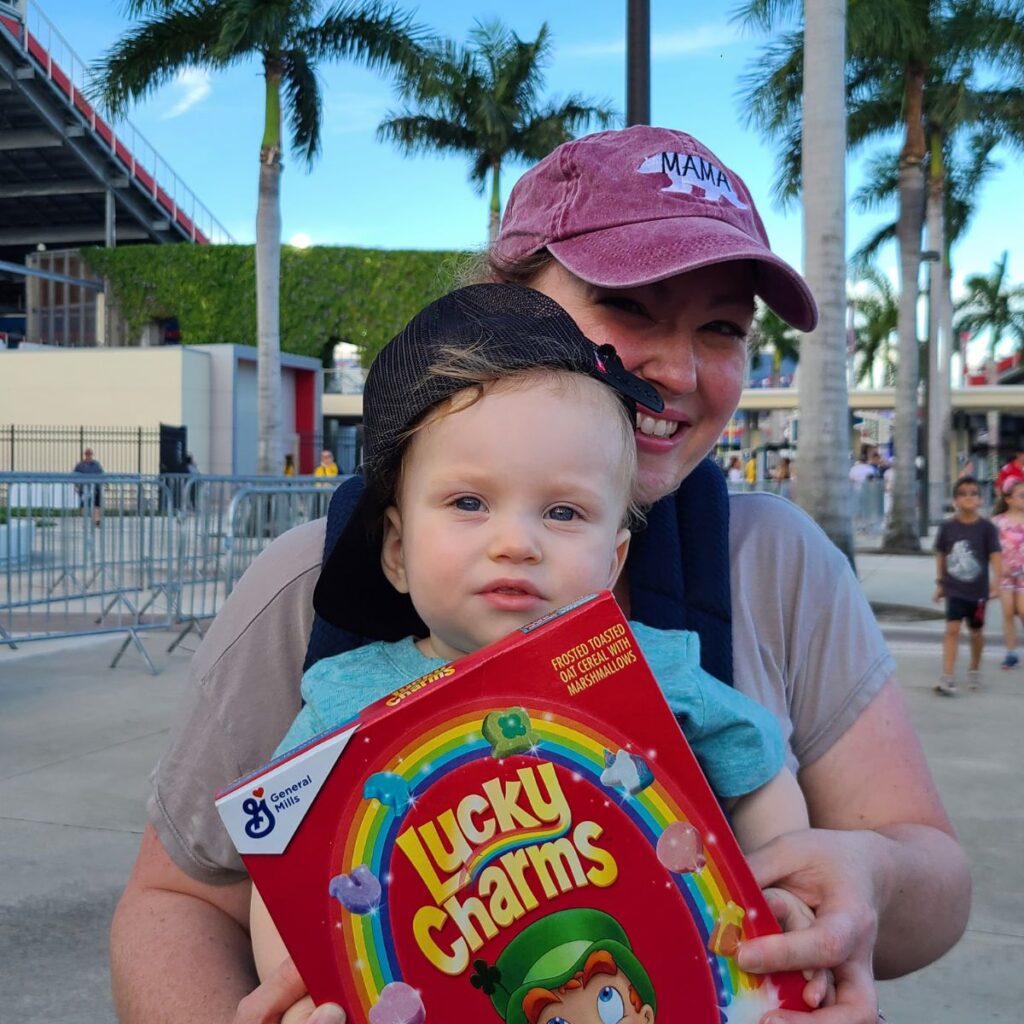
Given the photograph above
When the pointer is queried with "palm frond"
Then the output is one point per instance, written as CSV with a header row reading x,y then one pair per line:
x,y
375,34
259,25
303,104
881,184
420,133
151,54
869,248
765,15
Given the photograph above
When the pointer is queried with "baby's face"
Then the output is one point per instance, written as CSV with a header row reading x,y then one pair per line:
x,y
509,509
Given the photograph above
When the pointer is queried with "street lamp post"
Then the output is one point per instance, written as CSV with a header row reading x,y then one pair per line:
x,y
638,62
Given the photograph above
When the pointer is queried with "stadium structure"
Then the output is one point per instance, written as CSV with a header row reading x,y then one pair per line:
x,y
70,176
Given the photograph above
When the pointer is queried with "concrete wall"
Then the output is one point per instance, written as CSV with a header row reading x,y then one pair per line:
x,y
210,389
97,387
246,417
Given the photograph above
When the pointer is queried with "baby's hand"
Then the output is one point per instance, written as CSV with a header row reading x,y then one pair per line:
x,y
794,915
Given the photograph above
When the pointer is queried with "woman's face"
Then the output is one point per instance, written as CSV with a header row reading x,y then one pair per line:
x,y
686,336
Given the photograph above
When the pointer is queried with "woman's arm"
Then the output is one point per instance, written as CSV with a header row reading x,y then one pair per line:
x,y
890,878
198,964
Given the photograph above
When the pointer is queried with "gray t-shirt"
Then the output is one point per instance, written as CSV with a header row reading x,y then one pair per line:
x,y
805,646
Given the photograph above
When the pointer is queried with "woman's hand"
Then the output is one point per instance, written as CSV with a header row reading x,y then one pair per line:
x,y
283,997
794,915
833,873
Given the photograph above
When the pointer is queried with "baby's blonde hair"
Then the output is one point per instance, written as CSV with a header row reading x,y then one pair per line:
x,y
474,367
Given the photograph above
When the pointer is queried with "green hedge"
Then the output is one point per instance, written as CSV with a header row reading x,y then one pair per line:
x,y
328,294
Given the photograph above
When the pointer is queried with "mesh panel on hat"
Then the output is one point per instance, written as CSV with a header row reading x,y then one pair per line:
x,y
517,329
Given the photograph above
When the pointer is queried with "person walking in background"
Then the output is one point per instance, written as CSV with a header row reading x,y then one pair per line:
x,y
1011,472
327,467
866,477
783,476
734,473
289,465
89,495
862,470
1009,521
965,546
750,471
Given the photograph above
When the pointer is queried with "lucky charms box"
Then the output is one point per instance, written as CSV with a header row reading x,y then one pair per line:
x,y
522,836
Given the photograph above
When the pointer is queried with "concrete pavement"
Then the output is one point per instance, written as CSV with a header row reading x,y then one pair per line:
x,y
77,741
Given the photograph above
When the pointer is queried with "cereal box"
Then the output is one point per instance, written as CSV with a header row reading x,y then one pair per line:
x,y
521,836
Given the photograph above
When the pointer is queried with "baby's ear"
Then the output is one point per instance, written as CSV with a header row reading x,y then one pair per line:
x,y
392,554
619,556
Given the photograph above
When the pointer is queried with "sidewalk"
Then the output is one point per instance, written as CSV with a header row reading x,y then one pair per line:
x,y
77,741
900,589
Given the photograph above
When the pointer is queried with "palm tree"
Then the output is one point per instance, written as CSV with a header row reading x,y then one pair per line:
x,y
289,38
483,100
951,202
771,335
992,305
824,406
875,323
893,46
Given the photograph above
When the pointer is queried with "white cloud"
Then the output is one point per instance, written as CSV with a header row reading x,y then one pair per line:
x,y
702,39
191,86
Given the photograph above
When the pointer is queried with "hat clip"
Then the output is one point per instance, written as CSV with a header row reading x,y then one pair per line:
x,y
629,384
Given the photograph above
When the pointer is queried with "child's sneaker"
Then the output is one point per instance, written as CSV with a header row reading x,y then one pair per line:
x,y
1010,660
945,686
974,679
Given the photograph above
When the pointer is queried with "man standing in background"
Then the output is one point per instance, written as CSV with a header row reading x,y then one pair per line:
x,y
89,495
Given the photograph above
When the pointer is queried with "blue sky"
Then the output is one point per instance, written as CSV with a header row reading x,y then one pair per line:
x,y
361,192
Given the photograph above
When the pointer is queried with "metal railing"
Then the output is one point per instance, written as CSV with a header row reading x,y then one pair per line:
x,y
83,556
49,51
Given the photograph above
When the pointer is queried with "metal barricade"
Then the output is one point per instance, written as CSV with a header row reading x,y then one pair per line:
x,y
869,512
224,523
85,555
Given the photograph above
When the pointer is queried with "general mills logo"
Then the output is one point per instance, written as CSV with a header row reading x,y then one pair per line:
x,y
261,819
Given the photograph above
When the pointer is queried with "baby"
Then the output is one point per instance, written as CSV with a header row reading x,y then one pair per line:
x,y
499,469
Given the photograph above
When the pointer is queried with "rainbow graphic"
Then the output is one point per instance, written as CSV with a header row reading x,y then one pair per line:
x,y
367,941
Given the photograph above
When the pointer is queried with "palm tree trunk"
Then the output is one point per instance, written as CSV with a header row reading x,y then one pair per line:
x,y
946,327
903,534
938,340
270,457
495,218
824,489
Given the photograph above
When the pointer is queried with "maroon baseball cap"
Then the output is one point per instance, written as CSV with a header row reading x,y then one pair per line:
x,y
638,205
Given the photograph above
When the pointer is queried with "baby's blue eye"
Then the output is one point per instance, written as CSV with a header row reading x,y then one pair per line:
x,y
609,1005
468,504
563,513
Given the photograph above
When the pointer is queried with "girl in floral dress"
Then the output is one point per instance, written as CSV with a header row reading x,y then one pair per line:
x,y
1010,524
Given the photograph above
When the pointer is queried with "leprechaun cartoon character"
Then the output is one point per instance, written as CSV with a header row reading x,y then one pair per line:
x,y
573,967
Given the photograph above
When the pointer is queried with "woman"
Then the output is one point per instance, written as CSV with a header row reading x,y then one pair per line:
x,y
652,244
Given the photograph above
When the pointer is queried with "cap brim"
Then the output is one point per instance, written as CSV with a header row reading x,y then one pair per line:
x,y
641,253
352,591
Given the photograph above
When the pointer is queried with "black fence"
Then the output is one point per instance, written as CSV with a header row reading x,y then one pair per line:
x,y
42,449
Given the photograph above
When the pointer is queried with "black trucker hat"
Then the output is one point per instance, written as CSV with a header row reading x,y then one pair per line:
x,y
515,328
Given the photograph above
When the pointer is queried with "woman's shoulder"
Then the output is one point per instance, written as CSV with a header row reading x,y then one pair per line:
x,y
771,539
770,518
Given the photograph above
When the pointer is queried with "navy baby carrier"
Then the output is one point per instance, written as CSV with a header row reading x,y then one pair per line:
x,y
678,569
